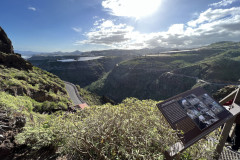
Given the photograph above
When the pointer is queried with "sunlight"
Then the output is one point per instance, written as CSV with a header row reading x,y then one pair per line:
x,y
132,8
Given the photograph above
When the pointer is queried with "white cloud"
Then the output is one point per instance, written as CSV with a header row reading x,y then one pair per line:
x,y
77,29
176,29
212,15
210,26
131,8
223,3
32,8
109,34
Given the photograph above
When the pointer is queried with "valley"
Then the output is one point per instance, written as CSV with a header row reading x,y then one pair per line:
x,y
155,76
82,73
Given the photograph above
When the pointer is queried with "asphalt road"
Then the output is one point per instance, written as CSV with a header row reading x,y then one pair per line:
x,y
73,94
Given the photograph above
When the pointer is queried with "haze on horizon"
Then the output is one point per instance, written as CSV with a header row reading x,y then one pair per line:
x,y
68,25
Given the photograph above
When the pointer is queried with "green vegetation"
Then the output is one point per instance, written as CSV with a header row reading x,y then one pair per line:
x,y
42,90
162,76
225,45
90,98
82,73
97,84
16,102
220,68
133,129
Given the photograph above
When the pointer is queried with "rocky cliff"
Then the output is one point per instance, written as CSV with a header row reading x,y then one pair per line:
x,y
5,42
8,57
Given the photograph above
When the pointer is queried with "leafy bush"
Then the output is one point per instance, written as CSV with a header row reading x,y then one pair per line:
x,y
31,83
90,98
133,129
17,102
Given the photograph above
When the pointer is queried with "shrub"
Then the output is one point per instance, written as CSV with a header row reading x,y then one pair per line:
x,y
133,129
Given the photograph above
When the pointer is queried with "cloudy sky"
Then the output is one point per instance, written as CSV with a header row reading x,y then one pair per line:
x,y
68,25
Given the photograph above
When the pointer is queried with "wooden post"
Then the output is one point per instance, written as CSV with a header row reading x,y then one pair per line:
x,y
235,110
223,137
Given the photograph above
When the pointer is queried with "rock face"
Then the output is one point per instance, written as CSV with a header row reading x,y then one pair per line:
x,y
9,127
5,42
14,60
7,55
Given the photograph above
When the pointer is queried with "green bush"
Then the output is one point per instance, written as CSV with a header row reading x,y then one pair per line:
x,y
133,129
26,83
90,98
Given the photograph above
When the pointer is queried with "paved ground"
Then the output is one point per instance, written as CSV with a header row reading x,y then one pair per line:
x,y
228,154
71,89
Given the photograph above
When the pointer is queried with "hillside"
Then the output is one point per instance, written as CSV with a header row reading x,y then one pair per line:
x,y
82,73
25,92
161,76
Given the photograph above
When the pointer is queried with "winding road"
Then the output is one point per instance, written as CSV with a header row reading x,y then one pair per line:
x,y
73,93
203,81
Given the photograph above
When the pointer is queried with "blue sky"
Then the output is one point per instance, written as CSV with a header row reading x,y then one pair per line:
x,y
68,25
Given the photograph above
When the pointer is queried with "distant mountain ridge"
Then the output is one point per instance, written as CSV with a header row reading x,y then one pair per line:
x,y
59,53
110,52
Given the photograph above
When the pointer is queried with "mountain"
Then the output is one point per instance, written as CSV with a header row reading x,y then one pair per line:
x,y
149,73
124,52
25,91
20,78
27,53
59,53
160,76
110,52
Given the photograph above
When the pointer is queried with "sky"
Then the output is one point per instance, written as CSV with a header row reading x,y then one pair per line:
x,y
85,25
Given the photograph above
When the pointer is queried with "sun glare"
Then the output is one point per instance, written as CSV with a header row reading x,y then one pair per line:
x,y
132,8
